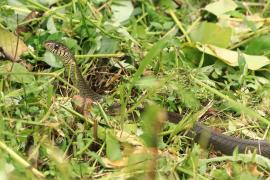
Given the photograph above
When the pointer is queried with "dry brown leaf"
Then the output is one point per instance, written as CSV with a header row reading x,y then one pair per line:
x,y
8,44
123,136
115,164
240,27
124,161
254,171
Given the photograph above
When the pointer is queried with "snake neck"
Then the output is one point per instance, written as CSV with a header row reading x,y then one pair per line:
x,y
79,82
69,62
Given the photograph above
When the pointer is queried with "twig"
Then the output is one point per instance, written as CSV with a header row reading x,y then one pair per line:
x,y
20,160
179,24
100,55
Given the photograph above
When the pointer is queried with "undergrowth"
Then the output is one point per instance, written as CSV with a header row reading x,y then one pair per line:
x,y
138,55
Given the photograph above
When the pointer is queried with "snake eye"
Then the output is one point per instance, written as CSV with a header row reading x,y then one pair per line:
x,y
56,46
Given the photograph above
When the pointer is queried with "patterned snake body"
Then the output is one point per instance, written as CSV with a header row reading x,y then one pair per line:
x,y
69,62
203,135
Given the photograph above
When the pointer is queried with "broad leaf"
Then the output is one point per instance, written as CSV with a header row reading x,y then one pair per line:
x,y
221,7
122,9
50,59
19,73
231,57
8,43
51,26
112,147
259,45
211,33
108,46
242,25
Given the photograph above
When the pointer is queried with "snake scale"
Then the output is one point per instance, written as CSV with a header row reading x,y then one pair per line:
x,y
223,143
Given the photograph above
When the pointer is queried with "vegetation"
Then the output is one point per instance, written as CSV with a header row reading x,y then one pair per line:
x,y
206,60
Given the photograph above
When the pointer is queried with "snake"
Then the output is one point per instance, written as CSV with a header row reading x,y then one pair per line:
x,y
70,64
202,134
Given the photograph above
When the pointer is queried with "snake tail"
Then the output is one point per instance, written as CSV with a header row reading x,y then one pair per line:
x,y
226,144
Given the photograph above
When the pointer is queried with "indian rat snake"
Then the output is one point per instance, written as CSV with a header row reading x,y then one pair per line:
x,y
223,143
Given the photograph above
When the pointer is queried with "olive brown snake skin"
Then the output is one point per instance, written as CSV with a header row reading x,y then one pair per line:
x,y
223,143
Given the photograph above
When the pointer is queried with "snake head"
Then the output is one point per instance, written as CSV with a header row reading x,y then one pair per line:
x,y
58,49
52,45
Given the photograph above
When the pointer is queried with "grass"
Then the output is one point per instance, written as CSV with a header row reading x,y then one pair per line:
x,y
148,60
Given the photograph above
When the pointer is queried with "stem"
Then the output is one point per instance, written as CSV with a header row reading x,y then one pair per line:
x,y
100,55
179,24
20,160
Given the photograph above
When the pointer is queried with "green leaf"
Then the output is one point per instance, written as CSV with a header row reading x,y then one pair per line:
x,y
242,66
167,4
221,7
51,60
259,45
153,52
149,82
122,9
245,158
112,147
241,61
211,33
150,126
220,174
188,98
108,46
16,75
51,26
139,31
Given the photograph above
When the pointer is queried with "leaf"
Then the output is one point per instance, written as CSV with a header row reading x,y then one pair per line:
x,y
149,82
210,33
241,61
139,31
242,25
115,164
188,97
221,7
127,138
231,57
121,9
153,52
48,2
259,45
246,158
112,147
51,60
123,31
8,43
21,78
18,68
122,64
51,26
167,4
108,46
